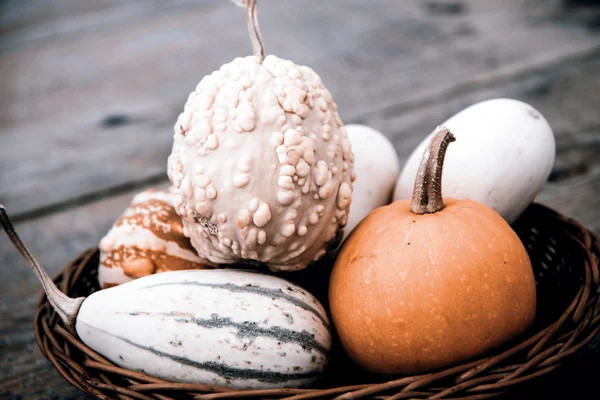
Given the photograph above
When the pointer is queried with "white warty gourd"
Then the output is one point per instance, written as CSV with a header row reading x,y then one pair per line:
x,y
262,165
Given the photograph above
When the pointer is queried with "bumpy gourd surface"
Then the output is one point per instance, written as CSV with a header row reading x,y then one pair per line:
x,y
262,165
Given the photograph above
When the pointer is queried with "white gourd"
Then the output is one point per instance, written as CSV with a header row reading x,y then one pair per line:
x,y
230,328
502,157
377,169
261,163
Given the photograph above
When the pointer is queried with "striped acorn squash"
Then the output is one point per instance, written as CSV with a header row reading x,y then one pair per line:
x,y
221,327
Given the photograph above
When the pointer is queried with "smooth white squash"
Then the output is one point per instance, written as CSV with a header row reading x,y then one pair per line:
x,y
503,155
376,167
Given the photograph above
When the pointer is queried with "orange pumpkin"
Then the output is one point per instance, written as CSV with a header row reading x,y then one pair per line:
x,y
421,285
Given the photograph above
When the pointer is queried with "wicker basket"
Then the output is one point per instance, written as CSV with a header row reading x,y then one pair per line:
x,y
565,260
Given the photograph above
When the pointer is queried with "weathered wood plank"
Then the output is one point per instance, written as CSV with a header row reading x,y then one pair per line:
x,y
567,96
113,94
32,22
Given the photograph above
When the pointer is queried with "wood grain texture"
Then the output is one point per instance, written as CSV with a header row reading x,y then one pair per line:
x,y
89,92
112,90
38,21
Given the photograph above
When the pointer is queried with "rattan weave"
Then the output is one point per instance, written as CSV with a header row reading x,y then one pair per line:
x,y
565,259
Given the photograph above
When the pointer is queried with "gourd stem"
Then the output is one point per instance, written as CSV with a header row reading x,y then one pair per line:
x,y
427,193
66,307
254,30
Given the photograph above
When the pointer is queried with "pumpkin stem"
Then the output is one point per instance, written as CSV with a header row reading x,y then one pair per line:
x,y
253,27
427,194
66,307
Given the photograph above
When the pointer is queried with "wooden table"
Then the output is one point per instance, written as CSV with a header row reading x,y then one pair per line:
x,y
90,90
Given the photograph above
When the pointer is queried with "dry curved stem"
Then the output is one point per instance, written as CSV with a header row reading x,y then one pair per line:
x,y
427,193
253,27
66,307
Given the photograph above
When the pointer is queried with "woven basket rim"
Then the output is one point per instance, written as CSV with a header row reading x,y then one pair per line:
x,y
542,351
